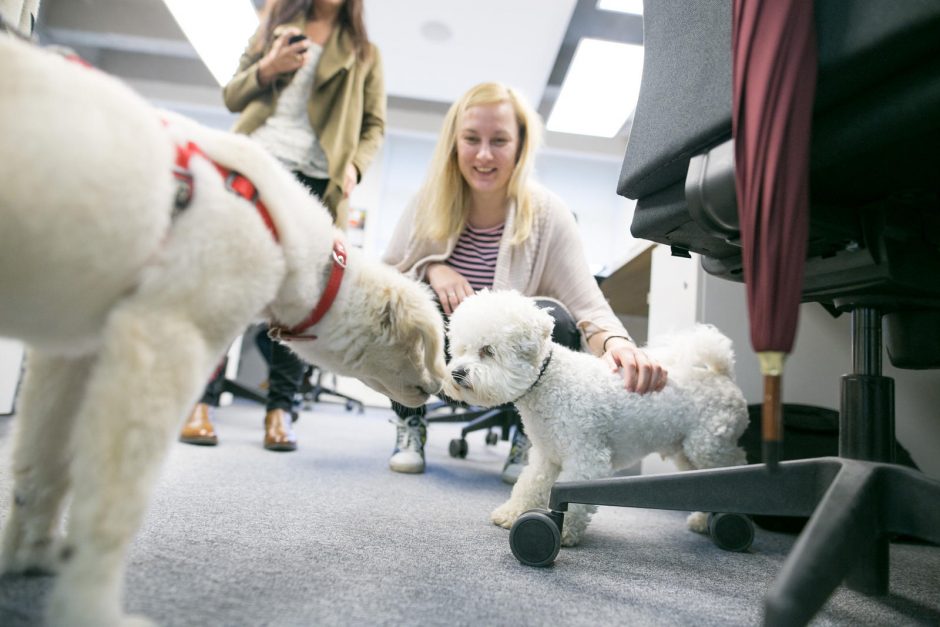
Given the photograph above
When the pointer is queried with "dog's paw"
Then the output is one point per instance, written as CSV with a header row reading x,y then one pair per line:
x,y
129,620
570,539
89,605
506,514
36,558
136,620
697,522
573,530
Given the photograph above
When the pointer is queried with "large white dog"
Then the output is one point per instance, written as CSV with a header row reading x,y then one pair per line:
x,y
127,303
581,421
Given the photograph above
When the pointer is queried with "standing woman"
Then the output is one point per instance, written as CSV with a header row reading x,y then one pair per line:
x,y
478,222
309,89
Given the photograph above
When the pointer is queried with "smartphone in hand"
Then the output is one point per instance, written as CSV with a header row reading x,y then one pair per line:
x,y
295,38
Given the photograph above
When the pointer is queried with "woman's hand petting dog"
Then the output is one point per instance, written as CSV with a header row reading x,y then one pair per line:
x,y
640,373
449,285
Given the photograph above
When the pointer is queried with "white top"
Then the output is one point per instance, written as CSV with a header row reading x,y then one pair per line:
x,y
287,133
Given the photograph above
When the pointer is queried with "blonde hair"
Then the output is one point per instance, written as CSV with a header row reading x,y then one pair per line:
x,y
444,200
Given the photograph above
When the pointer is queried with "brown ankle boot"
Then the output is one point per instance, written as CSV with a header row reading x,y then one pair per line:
x,y
198,428
278,433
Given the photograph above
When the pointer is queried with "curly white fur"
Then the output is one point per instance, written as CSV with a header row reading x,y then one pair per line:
x,y
126,309
581,421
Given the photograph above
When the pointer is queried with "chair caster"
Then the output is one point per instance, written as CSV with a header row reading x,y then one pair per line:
x,y
535,537
458,448
491,438
731,532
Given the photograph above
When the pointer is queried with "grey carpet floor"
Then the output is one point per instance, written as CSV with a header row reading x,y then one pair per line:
x,y
327,535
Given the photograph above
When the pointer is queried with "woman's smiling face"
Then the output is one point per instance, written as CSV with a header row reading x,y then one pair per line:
x,y
487,146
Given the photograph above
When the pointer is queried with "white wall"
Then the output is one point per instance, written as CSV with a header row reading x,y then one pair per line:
x,y
11,359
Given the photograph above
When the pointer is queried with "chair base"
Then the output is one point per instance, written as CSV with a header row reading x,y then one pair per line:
x,y
313,388
477,420
854,508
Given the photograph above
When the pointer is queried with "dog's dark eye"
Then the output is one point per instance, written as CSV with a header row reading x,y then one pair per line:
x,y
487,351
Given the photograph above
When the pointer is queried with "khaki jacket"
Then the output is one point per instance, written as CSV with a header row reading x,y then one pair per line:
x,y
346,108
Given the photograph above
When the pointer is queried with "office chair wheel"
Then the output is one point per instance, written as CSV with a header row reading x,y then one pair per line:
x,y
458,448
731,532
535,538
492,438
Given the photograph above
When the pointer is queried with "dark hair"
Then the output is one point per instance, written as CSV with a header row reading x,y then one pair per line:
x,y
350,19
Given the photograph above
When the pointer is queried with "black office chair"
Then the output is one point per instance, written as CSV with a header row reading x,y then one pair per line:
x,y
874,252
477,419
313,389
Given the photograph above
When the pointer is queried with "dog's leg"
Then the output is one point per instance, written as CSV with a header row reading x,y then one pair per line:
x,y
148,372
531,490
52,392
703,448
591,461
696,521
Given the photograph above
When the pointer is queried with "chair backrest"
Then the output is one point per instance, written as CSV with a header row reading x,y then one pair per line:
x,y
875,159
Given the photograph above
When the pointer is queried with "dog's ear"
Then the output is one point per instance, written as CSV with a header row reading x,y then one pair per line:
x,y
402,317
546,322
541,325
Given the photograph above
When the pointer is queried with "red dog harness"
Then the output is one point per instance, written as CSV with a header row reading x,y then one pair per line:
x,y
234,182
241,185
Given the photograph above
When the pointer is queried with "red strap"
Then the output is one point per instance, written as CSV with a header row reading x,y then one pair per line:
x,y
326,299
247,190
233,181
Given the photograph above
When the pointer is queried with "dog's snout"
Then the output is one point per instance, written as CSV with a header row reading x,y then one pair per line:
x,y
461,376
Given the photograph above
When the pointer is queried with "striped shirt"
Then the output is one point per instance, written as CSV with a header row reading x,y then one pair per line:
x,y
474,257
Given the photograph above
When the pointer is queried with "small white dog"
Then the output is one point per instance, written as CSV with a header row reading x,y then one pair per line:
x,y
581,421
127,301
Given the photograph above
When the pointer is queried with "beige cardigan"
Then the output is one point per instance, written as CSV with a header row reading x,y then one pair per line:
x,y
551,262
346,108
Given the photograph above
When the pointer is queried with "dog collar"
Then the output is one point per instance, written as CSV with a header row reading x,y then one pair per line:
x,y
545,362
340,259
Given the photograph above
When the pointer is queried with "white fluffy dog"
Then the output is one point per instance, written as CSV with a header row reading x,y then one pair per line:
x,y
128,302
581,421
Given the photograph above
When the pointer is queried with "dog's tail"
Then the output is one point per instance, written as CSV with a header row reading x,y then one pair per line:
x,y
700,348
713,348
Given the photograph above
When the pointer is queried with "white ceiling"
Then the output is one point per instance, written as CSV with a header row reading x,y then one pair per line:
x,y
435,50
432,50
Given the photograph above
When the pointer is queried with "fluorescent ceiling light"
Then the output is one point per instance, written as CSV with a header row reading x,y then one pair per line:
x,y
621,6
218,29
600,89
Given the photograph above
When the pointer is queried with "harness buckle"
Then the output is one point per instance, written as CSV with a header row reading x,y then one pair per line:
x,y
230,181
339,256
184,189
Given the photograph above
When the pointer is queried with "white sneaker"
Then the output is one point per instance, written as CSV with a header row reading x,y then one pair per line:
x,y
518,457
409,447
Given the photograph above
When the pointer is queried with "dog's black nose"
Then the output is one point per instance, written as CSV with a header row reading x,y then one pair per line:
x,y
459,376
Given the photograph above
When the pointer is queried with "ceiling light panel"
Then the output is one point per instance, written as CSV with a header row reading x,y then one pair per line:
x,y
218,47
634,7
600,89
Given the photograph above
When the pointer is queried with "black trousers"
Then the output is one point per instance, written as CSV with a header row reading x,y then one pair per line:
x,y
285,369
565,333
